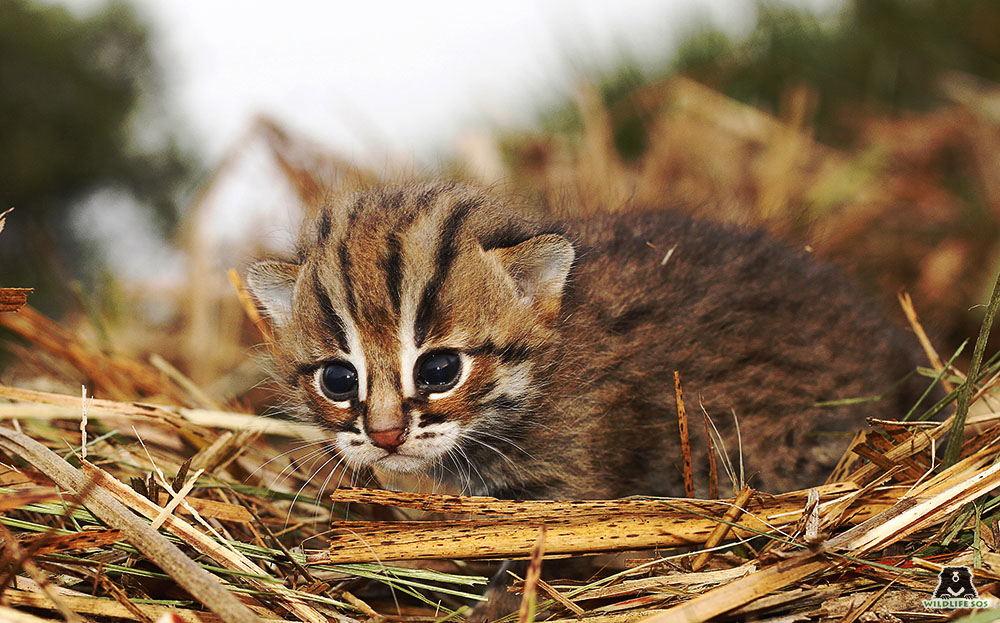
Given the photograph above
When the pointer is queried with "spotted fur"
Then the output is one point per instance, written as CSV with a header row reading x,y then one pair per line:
x,y
568,335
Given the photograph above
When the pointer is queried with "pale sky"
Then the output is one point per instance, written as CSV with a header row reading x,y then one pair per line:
x,y
402,75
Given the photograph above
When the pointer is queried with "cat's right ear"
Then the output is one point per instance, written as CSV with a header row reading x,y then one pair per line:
x,y
273,284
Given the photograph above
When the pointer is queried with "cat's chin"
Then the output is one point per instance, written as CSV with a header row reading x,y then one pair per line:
x,y
403,463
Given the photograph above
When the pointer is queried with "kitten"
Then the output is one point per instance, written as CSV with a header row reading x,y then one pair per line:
x,y
434,330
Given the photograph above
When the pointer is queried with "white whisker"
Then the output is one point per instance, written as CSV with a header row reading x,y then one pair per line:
x,y
299,492
287,452
295,465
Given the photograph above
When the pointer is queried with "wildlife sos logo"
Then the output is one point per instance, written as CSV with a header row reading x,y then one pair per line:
x,y
955,590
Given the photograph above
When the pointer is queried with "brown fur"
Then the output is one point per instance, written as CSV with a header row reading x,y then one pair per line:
x,y
753,328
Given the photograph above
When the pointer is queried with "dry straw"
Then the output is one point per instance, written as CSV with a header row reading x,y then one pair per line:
x,y
268,527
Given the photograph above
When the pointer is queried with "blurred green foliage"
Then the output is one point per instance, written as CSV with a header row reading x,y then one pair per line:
x,y
876,56
78,113
873,57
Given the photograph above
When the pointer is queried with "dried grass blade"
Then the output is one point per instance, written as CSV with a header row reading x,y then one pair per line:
x,y
925,342
713,466
743,591
13,299
119,595
529,599
915,444
184,420
181,380
722,529
225,556
906,517
50,543
957,433
212,509
23,559
677,523
35,495
524,509
912,514
554,593
101,607
682,424
9,615
201,584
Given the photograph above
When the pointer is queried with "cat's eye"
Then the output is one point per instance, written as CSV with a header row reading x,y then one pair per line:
x,y
438,371
339,380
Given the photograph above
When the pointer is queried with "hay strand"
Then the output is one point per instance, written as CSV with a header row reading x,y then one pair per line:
x,y
167,556
965,393
682,424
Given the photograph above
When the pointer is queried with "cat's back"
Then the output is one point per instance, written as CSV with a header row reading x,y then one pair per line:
x,y
663,256
752,326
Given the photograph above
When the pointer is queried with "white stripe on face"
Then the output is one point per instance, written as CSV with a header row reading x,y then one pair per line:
x,y
408,351
357,356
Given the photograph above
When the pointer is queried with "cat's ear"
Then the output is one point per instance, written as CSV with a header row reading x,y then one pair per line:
x,y
539,267
272,284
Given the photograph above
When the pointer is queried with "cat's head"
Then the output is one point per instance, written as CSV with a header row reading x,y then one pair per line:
x,y
414,320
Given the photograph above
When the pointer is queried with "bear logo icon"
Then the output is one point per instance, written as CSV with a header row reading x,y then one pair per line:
x,y
955,583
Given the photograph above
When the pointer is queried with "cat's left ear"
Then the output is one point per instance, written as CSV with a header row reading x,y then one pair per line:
x,y
539,267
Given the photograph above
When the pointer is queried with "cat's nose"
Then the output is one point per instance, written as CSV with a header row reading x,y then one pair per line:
x,y
388,440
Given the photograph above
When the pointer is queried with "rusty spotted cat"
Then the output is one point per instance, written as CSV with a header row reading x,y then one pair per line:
x,y
432,328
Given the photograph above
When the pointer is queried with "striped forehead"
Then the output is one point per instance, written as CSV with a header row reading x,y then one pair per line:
x,y
388,249
381,261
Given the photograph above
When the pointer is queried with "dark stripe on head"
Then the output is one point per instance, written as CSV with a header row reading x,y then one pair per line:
x,y
429,195
447,249
394,199
324,226
345,259
392,261
482,392
330,318
345,275
392,266
513,353
426,419
504,403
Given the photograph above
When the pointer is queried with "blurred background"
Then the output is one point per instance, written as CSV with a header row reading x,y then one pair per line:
x,y
149,147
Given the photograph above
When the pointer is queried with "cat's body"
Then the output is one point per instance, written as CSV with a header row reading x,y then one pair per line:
x,y
433,330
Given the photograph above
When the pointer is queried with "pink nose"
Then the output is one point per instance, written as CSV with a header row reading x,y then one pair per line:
x,y
388,440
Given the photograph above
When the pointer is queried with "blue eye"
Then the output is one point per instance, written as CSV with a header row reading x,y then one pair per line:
x,y
438,371
339,380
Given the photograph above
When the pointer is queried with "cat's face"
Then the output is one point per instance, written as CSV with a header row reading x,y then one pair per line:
x,y
411,324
